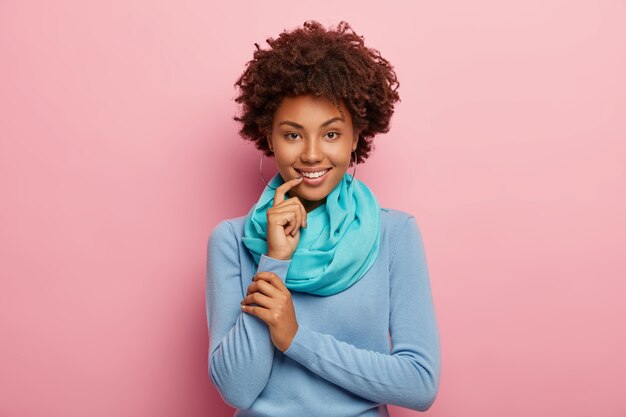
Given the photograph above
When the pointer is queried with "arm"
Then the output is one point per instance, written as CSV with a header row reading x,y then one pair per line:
x,y
240,349
409,376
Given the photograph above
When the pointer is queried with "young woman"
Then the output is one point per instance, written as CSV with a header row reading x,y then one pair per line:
x,y
318,300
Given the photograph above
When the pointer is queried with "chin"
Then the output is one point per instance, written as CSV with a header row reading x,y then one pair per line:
x,y
315,196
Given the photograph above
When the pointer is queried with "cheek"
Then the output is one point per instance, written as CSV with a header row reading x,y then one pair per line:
x,y
283,158
284,164
341,156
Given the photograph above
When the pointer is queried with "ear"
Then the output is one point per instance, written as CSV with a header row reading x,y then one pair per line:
x,y
269,142
355,140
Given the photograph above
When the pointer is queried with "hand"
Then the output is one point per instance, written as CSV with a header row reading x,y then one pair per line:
x,y
274,307
284,220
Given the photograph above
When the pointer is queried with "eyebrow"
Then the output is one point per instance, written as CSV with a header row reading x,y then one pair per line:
x,y
294,124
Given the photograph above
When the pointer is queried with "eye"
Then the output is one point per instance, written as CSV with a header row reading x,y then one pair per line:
x,y
333,135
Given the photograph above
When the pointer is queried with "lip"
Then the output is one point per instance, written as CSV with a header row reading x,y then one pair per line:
x,y
318,180
312,169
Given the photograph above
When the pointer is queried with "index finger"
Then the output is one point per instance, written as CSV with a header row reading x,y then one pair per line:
x,y
279,196
270,277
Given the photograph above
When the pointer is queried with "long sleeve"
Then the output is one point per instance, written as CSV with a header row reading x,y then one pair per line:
x,y
240,348
409,375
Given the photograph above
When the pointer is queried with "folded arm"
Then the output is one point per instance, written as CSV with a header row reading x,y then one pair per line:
x,y
240,348
409,375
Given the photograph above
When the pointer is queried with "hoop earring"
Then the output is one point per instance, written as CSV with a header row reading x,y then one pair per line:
x,y
261,172
353,172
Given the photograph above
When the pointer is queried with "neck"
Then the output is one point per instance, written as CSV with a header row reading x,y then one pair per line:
x,y
313,204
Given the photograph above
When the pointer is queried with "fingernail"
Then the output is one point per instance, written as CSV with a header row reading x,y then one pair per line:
x,y
299,178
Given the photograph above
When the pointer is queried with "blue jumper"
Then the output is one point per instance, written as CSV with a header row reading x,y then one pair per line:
x,y
375,343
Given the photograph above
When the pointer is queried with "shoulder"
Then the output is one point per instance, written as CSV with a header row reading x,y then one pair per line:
x,y
225,238
394,219
228,228
400,227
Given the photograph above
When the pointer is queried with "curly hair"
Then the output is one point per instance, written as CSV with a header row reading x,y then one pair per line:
x,y
334,63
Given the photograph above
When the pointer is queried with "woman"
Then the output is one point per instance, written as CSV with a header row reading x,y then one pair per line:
x,y
318,300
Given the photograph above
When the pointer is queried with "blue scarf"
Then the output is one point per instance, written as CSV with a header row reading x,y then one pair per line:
x,y
339,244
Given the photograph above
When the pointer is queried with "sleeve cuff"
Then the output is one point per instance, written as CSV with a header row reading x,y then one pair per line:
x,y
277,266
298,350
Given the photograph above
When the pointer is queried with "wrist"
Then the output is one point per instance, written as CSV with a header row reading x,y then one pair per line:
x,y
278,256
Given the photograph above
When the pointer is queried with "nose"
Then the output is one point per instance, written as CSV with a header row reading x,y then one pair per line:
x,y
313,151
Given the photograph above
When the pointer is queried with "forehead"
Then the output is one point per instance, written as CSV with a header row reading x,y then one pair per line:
x,y
309,109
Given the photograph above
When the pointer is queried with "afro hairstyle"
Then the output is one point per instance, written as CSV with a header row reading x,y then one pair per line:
x,y
333,63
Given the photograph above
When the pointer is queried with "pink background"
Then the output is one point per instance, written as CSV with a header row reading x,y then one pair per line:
x,y
119,155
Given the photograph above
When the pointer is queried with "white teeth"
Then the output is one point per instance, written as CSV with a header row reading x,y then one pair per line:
x,y
314,174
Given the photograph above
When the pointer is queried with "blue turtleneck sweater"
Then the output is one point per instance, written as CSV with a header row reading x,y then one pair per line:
x,y
375,343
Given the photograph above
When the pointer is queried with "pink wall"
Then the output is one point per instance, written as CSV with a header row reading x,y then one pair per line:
x,y
119,155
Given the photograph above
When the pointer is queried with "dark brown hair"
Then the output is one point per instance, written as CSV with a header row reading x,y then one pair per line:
x,y
334,63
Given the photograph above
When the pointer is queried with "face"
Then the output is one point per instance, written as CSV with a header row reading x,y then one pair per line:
x,y
311,134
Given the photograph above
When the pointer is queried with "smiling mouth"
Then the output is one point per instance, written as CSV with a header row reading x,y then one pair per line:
x,y
314,175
